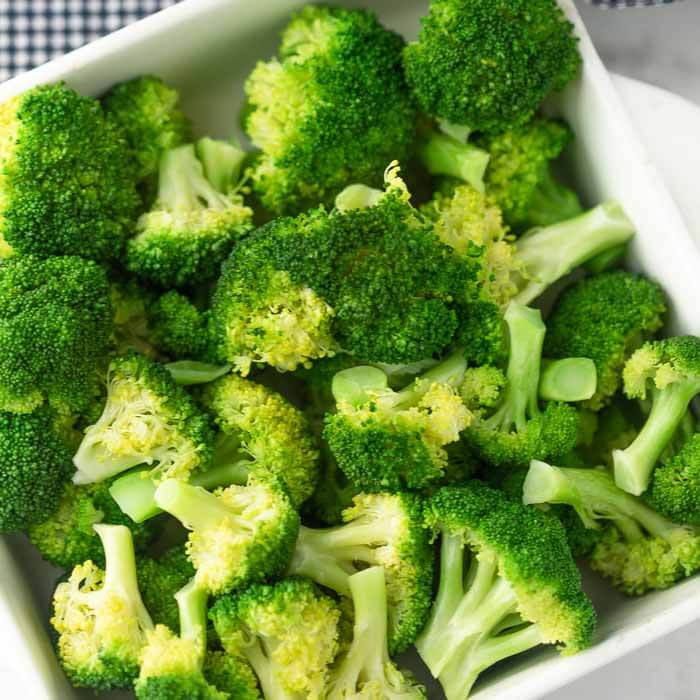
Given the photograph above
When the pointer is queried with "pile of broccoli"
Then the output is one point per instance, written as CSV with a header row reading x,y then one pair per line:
x,y
281,411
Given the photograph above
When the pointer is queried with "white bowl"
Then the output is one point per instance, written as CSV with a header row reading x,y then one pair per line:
x,y
206,48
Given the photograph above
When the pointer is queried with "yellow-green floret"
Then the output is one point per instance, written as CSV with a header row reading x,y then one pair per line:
x,y
238,534
100,618
379,530
149,419
331,110
287,631
507,584
263,433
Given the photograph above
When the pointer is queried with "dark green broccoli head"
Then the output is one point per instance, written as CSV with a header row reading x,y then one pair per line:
x,y
333,109
55,326
488,64
67,179
605,318
231,674
178,327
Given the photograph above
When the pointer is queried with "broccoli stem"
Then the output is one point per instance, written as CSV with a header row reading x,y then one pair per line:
x,y
450,371
357,197
223,475
194,507
547,254
520,397
189,372
607,260
444,155
259,659
552,202
192,608
221,161
358,385
95,463
570,379
634,465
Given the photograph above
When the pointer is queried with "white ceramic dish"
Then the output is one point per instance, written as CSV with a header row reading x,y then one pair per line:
x,y
206,48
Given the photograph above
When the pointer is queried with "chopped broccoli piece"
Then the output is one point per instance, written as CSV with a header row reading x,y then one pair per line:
x,y
178,327
568,379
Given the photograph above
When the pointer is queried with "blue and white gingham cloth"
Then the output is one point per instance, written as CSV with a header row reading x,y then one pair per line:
x,y
33,32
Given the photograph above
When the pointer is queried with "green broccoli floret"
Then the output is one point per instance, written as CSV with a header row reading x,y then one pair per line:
x,y
67,537
508,583
178,327
605,318
669,370
287,631
147,418
639,549
55,326
192,227
232,674
519,176
379,530
488,64
387,440
100,618
674,490
333,109
516,429
238,534
67,181
132,304
366,670
35,465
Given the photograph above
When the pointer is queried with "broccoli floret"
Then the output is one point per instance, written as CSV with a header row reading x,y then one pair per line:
x,y
366,670
67,537
333,109
231,674
192,228
238,534
519,176
379,530
508,583
387,440
35,465
669,370
132,304
287,631
55,325
488,64
675,485
639,549
605,318
67,179
178,327
517,430
482,387
261,432
149,419
100,618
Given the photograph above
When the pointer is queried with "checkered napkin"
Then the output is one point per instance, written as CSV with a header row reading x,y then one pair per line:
x,y
35,31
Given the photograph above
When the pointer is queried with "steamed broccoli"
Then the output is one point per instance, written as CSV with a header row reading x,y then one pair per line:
x,y
147,418
488,64
100,618
55,326
238,534
606,318
178,327
365,670
669,370
231,674
67,179
192,227
383,530
507,584
333,109
639,549
287,631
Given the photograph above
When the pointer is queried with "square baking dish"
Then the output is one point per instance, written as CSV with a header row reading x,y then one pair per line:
x,y
206,48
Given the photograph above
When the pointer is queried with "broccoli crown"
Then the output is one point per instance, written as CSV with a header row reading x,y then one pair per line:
x,y
34,468
675,486
519,178
239,534
385,440
488,64
639,549
55,325
231,674
67,179
67,537
192,228
149,419
100,618
178,327
605,318
379,530
333,109
287,631
273,436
